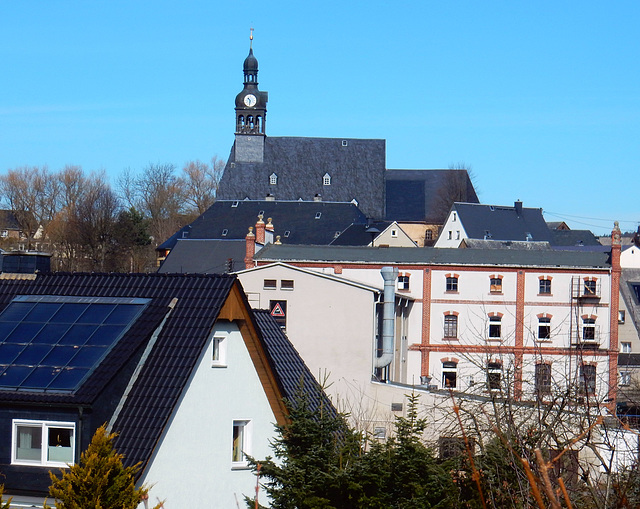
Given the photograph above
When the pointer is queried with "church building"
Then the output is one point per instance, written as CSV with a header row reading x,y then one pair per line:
x,y
262,167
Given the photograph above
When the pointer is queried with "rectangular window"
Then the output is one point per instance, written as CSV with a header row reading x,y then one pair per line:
x,y
495,285
494,372
241,443
452,284
626,347
270,284
625,378
589,288
588,329
428,235
450,326
286,284
43,443
495,327
219,352
403,282
449,375
545,286
587,379
543,378
544,328
621,316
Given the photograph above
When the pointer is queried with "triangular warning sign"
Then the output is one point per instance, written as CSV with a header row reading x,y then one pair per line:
x,y
277,311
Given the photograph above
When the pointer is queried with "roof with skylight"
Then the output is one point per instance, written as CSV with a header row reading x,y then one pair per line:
x,y
50,343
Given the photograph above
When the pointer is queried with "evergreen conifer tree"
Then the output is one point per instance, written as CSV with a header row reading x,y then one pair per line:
x,y
99,480
3,504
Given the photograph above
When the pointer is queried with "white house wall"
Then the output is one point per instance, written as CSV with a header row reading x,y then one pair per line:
x,y
192,465
332,325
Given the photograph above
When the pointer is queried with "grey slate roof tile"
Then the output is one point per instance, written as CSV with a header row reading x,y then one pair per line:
x,y
356,170
433,256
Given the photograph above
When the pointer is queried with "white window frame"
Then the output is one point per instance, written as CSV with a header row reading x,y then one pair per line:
x,y
625,347
245,427
219,344
44,446
326,180
273,179
403,282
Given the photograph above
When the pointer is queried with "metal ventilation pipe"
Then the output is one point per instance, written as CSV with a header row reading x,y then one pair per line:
x,y
390,275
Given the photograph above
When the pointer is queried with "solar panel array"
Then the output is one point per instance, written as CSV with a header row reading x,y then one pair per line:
x,y
52,343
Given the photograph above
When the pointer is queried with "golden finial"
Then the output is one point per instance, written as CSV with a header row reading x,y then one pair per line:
x,y
251,38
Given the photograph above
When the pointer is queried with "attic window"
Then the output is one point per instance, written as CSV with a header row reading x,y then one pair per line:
x,y
224,232
394,234
318,215
326,180
345,143
185,234
492,208
261,213
48,443
235,204
273,179
287,233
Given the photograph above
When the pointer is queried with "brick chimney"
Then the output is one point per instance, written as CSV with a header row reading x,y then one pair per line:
x,y
250,249
260,226
616,247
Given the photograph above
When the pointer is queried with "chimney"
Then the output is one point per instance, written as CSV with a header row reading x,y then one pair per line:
x,y
260,227
250,249
317,197
518,206
614,306
268,239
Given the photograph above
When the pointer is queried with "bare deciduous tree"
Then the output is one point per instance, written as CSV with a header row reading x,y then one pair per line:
x,y
201,182
32,194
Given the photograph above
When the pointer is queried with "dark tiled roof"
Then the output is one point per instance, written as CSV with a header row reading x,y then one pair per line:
x,y
294,221
204,256
502,223
356,170
291,371
574,238
357,234
425,195
171,361
8,220
433,256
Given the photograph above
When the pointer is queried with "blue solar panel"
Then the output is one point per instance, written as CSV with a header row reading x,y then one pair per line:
x,y
52,343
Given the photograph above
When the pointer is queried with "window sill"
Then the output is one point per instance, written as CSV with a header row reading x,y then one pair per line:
x,y
545,295
455,292
496,293
448,338
495,340
240,466
221,365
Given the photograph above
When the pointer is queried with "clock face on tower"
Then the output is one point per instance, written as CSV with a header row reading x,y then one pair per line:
x,y
250,100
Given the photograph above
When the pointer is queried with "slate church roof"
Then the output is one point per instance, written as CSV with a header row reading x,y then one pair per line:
x,y
425,195
356,168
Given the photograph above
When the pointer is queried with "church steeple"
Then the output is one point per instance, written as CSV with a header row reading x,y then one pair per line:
x,y
251,103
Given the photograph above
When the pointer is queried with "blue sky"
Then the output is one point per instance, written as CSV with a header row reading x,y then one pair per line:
x,y
541,99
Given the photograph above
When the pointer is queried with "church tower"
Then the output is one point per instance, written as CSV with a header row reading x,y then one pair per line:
x,y
251,113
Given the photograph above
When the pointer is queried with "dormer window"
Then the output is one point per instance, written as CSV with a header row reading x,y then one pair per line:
x,y
224,232
326,180
273,179
318,215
